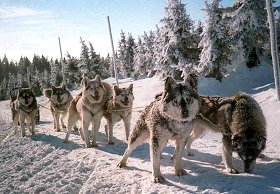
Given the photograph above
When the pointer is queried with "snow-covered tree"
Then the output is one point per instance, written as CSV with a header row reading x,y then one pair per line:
x,y
126,54
84,64
140,67
249,25
175,41
216,51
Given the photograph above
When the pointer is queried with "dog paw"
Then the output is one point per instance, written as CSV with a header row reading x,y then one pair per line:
x,y
232,171
111,143
58,130
65,141
190,154
121,165
63,126
181,172
159,179
94,145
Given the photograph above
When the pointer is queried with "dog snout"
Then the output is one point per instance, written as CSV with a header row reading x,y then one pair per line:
x,y
96,93
126,99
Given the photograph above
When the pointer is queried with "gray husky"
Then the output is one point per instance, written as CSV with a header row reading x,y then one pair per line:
x,y
60,99
88,107
24,108
119,108
241,121
169,116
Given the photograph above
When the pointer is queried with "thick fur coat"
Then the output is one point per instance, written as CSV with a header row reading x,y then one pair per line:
x,y
241,121
169,116
88,107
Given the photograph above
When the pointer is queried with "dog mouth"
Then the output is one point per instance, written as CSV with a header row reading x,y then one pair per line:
x,y
95,97
125,102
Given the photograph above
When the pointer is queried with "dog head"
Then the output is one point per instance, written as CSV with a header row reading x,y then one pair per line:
x,y
123,96
25,96
248,149
94,90
59,95
180,101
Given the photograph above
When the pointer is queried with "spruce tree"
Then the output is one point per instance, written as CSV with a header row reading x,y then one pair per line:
x,y
176,41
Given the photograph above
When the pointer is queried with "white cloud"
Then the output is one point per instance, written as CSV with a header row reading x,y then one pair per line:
x,y
9,12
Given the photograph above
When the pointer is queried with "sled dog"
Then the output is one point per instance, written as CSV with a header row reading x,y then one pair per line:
x,y
60,99
119,108
24,109
88,107
241,121
169,116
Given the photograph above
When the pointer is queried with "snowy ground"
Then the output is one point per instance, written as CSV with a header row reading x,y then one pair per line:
x,y
43,164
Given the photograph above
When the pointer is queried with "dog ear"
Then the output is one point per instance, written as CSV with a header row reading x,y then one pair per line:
x,y
191,79
169,84
98,78
85,81
117,90
63,87
236,143
261,143
130,88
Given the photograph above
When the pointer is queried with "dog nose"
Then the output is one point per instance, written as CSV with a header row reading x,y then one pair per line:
x,y
126,98
185,113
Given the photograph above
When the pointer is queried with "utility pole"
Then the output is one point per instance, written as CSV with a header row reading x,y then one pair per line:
x,y
273,43
61,63
113,54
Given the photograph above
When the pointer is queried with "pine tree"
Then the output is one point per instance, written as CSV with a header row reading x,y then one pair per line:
x,y
130,55
216,51
250,22
140,65
85,61
122,49
176,40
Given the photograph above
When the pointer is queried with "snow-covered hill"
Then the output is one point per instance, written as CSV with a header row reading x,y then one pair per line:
x,y
43,164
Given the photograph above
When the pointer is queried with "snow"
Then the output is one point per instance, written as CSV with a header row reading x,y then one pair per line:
x,y
44,164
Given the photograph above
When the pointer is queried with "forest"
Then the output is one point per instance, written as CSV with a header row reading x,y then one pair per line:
x,y
178,46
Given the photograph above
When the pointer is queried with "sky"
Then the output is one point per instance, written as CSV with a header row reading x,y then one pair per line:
x,y
31,27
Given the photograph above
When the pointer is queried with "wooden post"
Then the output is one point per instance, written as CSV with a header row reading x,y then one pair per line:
x,y
113,50
274,49
28,75
61,63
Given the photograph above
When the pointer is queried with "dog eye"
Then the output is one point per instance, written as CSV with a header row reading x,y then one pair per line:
x,y
189,100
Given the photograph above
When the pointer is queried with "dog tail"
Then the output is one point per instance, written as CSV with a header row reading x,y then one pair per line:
x,y
47,93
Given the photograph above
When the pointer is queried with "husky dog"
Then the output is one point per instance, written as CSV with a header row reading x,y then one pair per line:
x,y
24,108
60,99
88,106
119,108
241,121
169,116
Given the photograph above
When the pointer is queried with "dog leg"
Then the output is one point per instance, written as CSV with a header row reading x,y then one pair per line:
x,y
110,130
22,119
180,144
227,154
127,121
62,116
85,125
135,139
95,128
32,124
196,133
16,119
155,152
72,119
57,125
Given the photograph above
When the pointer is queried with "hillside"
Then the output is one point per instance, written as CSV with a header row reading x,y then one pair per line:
x,y
43,164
